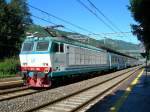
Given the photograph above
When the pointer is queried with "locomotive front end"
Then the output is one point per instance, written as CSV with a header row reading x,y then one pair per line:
x,y
35,62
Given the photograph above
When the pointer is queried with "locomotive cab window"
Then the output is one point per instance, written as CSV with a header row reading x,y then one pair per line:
x,y
42,46
58,47
61,47
28,46
55,47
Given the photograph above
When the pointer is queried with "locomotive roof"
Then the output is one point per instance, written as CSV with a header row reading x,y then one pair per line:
x,y
68,40
63,40
76,42
102,48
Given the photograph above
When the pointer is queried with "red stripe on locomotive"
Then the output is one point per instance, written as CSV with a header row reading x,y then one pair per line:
x,y
38,69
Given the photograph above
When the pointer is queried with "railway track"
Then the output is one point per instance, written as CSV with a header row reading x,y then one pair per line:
x,y
17,92
11,90
76,101
11,82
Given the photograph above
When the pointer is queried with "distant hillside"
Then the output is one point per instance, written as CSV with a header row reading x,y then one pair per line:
x,y
113,44
121,45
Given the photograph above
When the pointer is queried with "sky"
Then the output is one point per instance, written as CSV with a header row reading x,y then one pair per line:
x,y
74,12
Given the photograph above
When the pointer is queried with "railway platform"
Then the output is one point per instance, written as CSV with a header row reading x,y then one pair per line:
x,y
132,96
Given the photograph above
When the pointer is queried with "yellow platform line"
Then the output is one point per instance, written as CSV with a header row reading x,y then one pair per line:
x,y
120,102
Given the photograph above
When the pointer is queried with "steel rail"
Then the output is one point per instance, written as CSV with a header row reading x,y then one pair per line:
x,y
18,93
44,105
104,92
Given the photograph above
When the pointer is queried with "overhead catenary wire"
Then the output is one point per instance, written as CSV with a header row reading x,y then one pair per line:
x,y
51,23
100,12
56,24
63,20
74,25
118,32
1,44
106,18
99,18
115,33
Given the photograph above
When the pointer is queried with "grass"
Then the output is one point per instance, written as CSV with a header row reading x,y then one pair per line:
x,y
9,67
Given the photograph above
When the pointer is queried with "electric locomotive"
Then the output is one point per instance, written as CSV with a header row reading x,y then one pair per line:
x,y
44,58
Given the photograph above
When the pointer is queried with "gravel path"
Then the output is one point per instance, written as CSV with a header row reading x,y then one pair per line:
x,y
23,103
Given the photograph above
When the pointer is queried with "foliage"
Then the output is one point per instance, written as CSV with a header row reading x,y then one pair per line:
x,y
140,12
9,67
120,45
13,19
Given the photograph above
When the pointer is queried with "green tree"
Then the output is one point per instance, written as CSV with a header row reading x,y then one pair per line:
x,y
140,12
3,26
13,19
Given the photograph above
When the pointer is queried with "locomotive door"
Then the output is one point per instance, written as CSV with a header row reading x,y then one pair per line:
x,y
59,57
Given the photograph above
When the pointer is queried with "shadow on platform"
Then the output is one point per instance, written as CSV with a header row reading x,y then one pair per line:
x,y
137,101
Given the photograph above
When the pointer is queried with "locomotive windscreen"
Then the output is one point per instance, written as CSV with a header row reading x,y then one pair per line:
x,y
42,46
28,46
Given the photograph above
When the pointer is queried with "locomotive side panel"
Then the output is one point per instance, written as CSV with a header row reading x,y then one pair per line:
x,y
78,59
58,56
83,56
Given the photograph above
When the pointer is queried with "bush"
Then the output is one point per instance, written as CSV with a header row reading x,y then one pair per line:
x,y
9,67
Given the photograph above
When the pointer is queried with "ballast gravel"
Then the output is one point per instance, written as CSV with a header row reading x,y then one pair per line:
x,y
25,103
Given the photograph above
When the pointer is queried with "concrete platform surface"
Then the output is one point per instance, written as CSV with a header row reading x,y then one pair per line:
x,y
136,100
139,98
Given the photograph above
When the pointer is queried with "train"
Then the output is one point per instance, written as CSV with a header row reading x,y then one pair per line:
x,y
46,58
